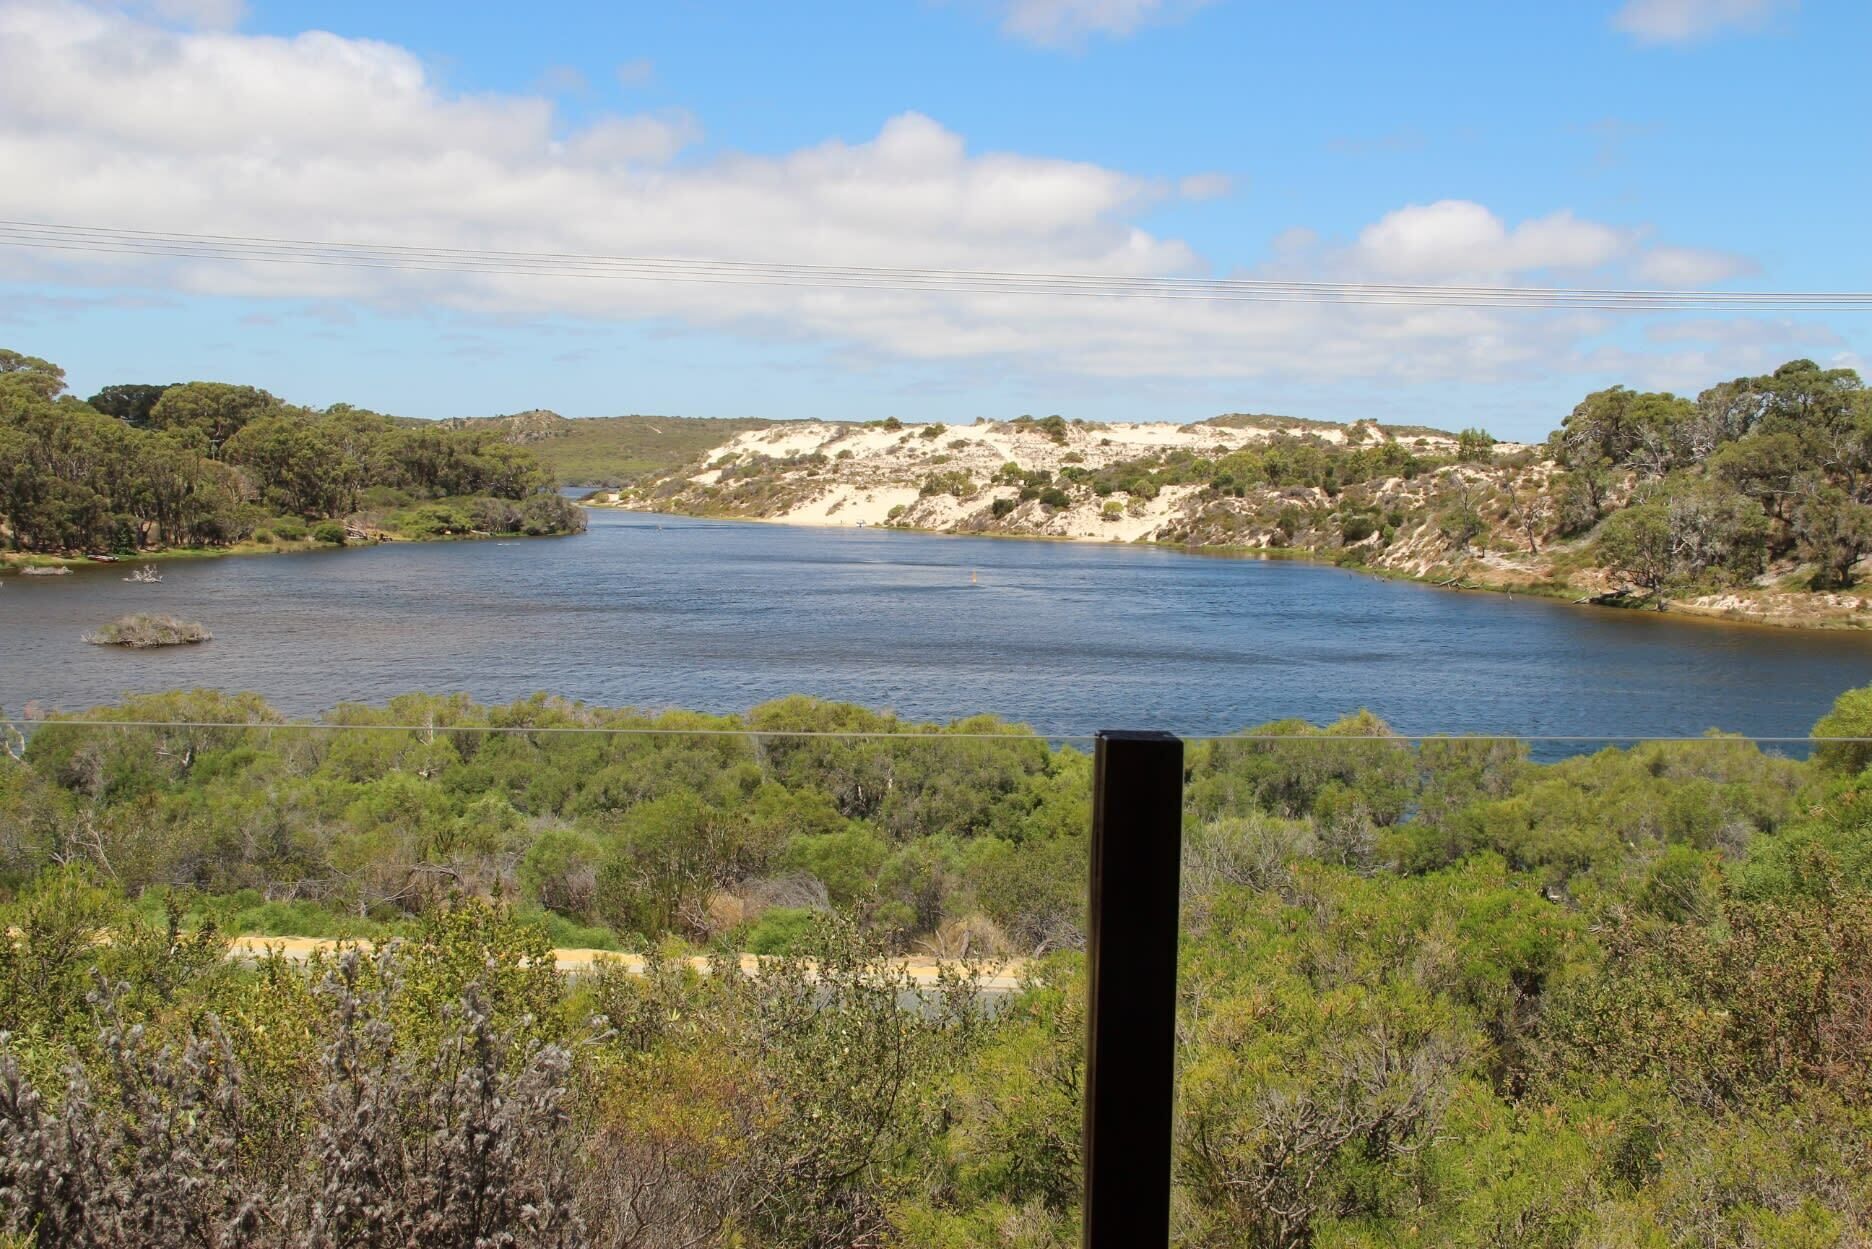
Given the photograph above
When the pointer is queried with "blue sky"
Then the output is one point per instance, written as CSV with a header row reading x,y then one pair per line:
x,y
1659,142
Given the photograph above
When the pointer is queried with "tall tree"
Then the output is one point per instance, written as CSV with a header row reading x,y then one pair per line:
x,y
130,402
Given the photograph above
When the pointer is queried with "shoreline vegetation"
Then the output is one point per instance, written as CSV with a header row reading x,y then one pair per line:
x,y
1751,502
1431,989
152,471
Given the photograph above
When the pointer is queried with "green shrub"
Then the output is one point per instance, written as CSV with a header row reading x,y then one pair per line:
x,y
289,529
1003,507
330,532
955,482
1053,496
780,930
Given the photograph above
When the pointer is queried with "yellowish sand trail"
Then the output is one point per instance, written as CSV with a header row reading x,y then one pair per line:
x,y
992,975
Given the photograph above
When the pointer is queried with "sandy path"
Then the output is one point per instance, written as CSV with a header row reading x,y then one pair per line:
x,y
996,976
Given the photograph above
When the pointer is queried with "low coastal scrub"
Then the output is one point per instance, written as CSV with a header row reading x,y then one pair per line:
x,y
1433,992
143,629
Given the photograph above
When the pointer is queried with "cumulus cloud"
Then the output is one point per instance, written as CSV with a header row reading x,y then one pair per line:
x,y
1690,266
209,14
126,122
1684,21
1462,241
1052,23
1686,354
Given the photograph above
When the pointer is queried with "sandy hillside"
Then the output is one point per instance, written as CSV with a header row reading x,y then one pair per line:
x,y
852,475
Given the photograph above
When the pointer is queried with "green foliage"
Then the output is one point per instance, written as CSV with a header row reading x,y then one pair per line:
x,y
1431,992
955,482
610,450
1475,446
1850,718
207,464
782,930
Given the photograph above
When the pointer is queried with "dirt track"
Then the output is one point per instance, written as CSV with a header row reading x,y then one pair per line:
x,y
995,976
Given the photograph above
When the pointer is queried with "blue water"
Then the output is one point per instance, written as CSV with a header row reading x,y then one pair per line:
x,y
659,611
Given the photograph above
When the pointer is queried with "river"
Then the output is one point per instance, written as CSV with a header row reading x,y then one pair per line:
x,y
661,611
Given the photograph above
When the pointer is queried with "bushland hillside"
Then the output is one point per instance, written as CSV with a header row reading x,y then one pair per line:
x,y
1750,499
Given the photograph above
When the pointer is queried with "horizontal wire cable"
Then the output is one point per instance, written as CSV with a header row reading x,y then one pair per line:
x,y
499,263
946,273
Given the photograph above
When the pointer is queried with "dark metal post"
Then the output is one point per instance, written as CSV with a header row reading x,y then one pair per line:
x,y
1131,947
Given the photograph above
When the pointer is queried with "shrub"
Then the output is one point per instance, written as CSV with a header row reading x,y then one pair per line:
x,y
1053,496
329,532
780,930
955,482
1003,507
289,529
144,629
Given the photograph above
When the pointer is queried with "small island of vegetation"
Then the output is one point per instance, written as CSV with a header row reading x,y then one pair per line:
x,y
144,629
218,467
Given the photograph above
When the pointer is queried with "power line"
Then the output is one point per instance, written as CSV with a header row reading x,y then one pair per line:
x,y
250,249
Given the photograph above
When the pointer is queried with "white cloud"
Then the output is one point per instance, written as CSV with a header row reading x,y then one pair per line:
x,y
202,14
651,139
1771,336
1690,266
127,123
1683,21
1205,186
1462,241
640,72
1688,354
1055,23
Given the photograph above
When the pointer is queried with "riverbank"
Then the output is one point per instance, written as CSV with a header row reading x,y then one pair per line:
x,y
1761,608
16,560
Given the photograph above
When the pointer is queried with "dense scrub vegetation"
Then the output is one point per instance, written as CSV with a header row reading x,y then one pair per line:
x,y
208,464
1751,471
610,450
1666,495
1432,993
1753,498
